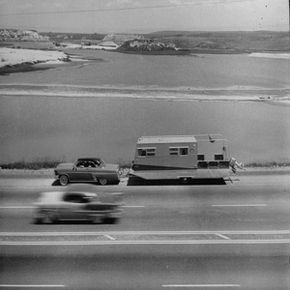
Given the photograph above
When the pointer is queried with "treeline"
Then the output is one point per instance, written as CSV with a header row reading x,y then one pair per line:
x,y
49,164
268,164
34,165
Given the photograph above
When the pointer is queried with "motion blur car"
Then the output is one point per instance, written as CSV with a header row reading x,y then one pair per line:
x,y
88,170
79,202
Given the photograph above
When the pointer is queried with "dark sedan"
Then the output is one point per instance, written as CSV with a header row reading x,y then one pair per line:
x,y
88,170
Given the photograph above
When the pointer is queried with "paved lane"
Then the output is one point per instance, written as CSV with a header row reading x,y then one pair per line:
x,y
148,267
255,202
170,237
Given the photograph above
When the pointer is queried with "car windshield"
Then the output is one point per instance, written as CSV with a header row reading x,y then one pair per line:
x,y
77,197
91,163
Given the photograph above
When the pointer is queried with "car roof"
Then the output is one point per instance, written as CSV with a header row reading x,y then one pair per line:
x,y
89,158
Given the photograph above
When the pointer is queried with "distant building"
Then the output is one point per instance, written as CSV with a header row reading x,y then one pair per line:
x,y
21,35
104,45
108,45
88,42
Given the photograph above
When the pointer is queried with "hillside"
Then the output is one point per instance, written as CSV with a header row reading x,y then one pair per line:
x,y
227,42
27,39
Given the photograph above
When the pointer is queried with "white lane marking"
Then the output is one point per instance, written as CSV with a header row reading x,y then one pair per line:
x,y
199,285
30,286
31,207
146,242
239,205
16,207
144,233
133,206
109,237
222,236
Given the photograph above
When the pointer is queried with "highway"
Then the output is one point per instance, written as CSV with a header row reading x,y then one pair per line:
x,y
234,236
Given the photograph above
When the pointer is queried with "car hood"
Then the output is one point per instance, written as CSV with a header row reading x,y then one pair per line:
x,y
65,166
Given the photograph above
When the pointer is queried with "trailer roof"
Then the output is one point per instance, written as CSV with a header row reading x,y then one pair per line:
x,y
166,139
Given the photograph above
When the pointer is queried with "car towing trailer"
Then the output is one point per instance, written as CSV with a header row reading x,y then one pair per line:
x,y
181,159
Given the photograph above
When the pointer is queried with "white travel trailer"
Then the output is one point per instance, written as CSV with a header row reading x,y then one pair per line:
x,y
193,159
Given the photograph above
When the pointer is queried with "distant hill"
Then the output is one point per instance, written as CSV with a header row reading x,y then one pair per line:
x,y
231,41
72,37
21,35
27,39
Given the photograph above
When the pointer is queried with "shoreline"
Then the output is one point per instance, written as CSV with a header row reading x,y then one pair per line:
x,y
270,96
21,67
23,60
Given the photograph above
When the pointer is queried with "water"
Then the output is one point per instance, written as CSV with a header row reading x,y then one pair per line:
x,y
54,126
203,71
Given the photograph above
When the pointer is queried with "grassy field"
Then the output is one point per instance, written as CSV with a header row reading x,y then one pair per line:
x,y
226,42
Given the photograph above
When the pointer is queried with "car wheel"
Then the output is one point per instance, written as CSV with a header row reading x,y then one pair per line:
x,y
49,218
111,220
37,220
63,180
95,219
103,181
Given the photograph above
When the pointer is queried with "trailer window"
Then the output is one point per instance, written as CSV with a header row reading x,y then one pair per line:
x,y
213,164
224,164
141,152
183,151
202,164
200,157
146,151
173,151
178,151
218,157
150,152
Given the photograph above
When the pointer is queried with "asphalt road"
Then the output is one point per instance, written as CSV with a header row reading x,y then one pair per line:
x,y
176,237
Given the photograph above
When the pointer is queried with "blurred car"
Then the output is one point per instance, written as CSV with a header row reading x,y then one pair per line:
x,y
78,203
88,170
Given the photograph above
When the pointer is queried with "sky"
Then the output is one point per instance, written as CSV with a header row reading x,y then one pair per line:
x,y
143,16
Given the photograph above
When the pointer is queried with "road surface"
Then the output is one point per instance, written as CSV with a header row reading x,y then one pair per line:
x,y
170,237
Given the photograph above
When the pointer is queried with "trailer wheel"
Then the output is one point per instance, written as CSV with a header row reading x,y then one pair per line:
x,y
185,180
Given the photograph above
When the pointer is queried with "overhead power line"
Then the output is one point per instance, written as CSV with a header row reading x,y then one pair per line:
x,y
193,3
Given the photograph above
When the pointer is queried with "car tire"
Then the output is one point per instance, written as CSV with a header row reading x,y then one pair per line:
x,y
95,219
103,181
37,221
49,218
63,180
111,220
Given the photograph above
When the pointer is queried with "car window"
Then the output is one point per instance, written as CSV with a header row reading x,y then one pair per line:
x,y
87,164
91,164
81,164
76,198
